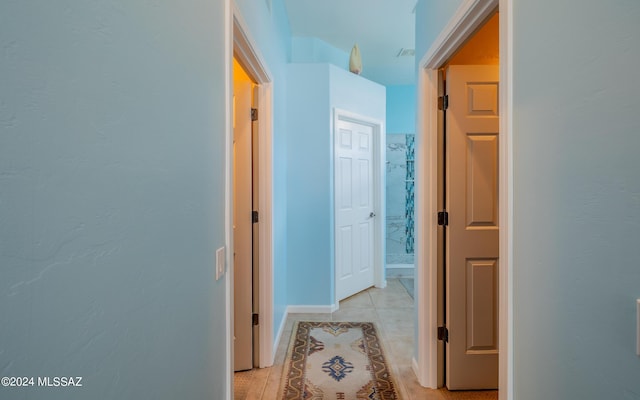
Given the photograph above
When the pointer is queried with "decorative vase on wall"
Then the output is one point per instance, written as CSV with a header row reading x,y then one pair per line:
x,y
355,62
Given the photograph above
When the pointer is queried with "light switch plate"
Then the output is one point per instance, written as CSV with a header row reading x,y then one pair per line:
x,y
220,262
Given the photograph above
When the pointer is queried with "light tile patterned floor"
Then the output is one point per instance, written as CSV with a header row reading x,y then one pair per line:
x,y
391,309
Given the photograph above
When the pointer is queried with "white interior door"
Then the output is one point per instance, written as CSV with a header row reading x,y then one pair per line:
x,y
354,208
472,125
242,224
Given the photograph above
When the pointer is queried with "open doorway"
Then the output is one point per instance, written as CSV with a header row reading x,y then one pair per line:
x,y
246,241
243,50
429,362
358,199
468,223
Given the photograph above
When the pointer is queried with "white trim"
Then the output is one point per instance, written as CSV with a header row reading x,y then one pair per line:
x,y
426,275
462,25
248,55
246,51
228,200
281,327
506,389
414,366
265,206
398,266
469,16
327,309
379,167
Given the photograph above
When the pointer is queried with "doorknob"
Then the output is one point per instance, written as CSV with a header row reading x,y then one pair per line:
x,y
372,214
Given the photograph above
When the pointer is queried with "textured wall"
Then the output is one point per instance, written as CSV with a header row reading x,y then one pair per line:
x,y
309,216
431,17
112,124
576,199
576,191
401,109
314,90
314,50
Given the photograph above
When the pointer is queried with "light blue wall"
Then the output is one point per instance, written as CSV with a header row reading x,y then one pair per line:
x,y
308,181
576,199
401,109
401,120
576,194
270,30
357,94
314,90
112,197
431,17
314,50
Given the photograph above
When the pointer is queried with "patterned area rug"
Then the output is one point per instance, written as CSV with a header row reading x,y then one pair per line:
x,y
336,360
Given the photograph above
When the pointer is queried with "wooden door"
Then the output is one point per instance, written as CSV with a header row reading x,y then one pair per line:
x,y
242,222
472,129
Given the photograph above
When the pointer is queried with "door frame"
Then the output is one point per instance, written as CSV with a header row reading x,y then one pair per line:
x,y
464,23
248,55
379,203
241,45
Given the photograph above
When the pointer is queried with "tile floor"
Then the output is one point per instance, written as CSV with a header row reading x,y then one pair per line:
x,y
391,309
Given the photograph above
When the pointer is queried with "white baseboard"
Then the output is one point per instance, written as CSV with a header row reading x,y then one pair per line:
x,y
298,310
392,266
283,322
415,368
312,309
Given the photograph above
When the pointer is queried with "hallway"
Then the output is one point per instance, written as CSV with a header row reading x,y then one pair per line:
x,y
391,309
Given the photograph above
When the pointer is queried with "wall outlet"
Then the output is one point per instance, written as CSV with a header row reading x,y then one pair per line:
x,y
220,262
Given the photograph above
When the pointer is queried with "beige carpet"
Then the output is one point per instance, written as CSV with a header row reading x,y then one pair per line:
x,y
336,360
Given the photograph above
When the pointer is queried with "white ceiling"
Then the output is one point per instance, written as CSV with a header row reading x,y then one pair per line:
x,y
381,28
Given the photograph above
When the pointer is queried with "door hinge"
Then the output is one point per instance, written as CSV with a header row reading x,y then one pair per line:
x,y
254,217
443,218
254,114
255,318
443,334
443,102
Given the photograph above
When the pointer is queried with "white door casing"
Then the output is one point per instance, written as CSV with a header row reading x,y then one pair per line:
x,y
473,231
354,207
243,47
240,43
462,25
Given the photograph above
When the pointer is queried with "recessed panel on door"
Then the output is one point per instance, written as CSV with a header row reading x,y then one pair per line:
x,y
364,237
345,178
345,251
346,138
364,141
364,182
482,98
482,306
482,180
